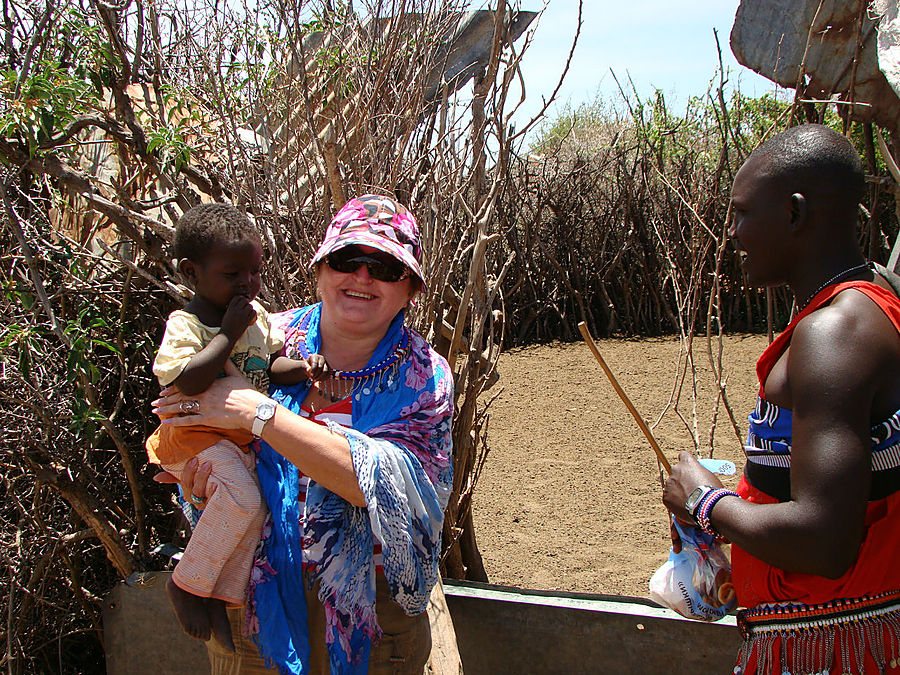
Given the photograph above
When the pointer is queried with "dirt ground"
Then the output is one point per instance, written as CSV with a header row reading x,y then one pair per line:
x,y
570,495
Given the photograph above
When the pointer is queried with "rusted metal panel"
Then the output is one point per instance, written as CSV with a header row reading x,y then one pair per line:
x,y
888,15
825,46
469,45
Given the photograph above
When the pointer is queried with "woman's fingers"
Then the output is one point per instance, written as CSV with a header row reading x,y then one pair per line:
x,y
175,405
166,404
202,487
165,477
229,403
195,485
187,476
195,482
169,403
195,479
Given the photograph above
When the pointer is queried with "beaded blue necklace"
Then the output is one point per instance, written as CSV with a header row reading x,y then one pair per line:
x,y
377,377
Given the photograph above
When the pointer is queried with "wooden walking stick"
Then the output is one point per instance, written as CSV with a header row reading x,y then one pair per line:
x,y
582,326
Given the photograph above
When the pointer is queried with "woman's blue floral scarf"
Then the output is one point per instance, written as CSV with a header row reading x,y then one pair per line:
x,y
401,446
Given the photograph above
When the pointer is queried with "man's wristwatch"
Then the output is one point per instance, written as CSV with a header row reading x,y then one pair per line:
x,y
264,412
694,499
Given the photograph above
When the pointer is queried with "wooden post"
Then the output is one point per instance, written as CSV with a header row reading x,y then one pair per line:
x,y
444,659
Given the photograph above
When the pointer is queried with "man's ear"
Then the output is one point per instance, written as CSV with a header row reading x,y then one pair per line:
x,y
186,267
799,211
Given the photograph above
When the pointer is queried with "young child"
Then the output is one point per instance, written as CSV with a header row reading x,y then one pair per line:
x,y
220,254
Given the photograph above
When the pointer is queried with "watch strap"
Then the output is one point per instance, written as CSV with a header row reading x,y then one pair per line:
x,y
264,412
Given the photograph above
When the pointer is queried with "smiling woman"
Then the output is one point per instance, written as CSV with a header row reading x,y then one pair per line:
x,y
355,466
349,286
381,266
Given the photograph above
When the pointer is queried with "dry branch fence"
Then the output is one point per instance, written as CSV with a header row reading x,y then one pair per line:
x,y
118,121
621,218
127,114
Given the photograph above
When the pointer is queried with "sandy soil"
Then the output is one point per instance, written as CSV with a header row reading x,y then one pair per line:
x,y
570,496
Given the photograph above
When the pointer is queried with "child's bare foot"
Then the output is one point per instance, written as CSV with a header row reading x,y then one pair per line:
x,y
219,624
191,611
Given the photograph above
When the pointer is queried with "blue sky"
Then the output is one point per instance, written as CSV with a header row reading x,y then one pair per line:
x,y
664,44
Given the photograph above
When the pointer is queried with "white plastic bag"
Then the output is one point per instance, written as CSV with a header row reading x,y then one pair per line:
x,y
695,582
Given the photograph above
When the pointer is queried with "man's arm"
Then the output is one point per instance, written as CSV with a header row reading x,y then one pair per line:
x,y
837,359
842,364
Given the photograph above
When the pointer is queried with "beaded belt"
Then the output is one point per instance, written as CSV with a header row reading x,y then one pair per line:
x,y
808,634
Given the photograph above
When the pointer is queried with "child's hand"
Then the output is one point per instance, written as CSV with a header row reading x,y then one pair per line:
x,y
316,367
238,316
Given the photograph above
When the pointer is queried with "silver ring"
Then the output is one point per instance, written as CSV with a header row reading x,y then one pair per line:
x,y
190,407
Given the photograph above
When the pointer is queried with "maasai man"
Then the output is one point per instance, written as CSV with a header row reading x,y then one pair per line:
x,y
815,522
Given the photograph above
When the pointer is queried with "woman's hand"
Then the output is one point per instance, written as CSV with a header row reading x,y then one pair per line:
x,y
229,403
686,475
194,485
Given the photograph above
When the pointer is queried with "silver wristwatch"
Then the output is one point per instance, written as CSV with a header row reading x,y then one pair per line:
x,y
264,412
695,498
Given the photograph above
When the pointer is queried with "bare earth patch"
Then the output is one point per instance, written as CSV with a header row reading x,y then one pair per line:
x,y
570,494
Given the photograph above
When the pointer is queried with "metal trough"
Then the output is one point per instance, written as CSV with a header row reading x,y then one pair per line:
x,y
499,630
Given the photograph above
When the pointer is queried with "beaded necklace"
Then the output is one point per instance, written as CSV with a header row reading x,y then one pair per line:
x,y
377,377
849,272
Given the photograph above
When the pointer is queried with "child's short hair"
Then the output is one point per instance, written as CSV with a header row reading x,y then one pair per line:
x,y
206,225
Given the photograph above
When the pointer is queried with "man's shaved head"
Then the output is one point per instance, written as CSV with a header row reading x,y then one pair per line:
x,y
815,161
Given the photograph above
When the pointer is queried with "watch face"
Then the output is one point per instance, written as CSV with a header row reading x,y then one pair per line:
x,y
265,410
692,500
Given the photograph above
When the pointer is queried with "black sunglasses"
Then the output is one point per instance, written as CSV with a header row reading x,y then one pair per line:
x,y
382,266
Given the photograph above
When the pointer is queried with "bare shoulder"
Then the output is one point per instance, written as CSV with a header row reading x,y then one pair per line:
x,y
849,348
